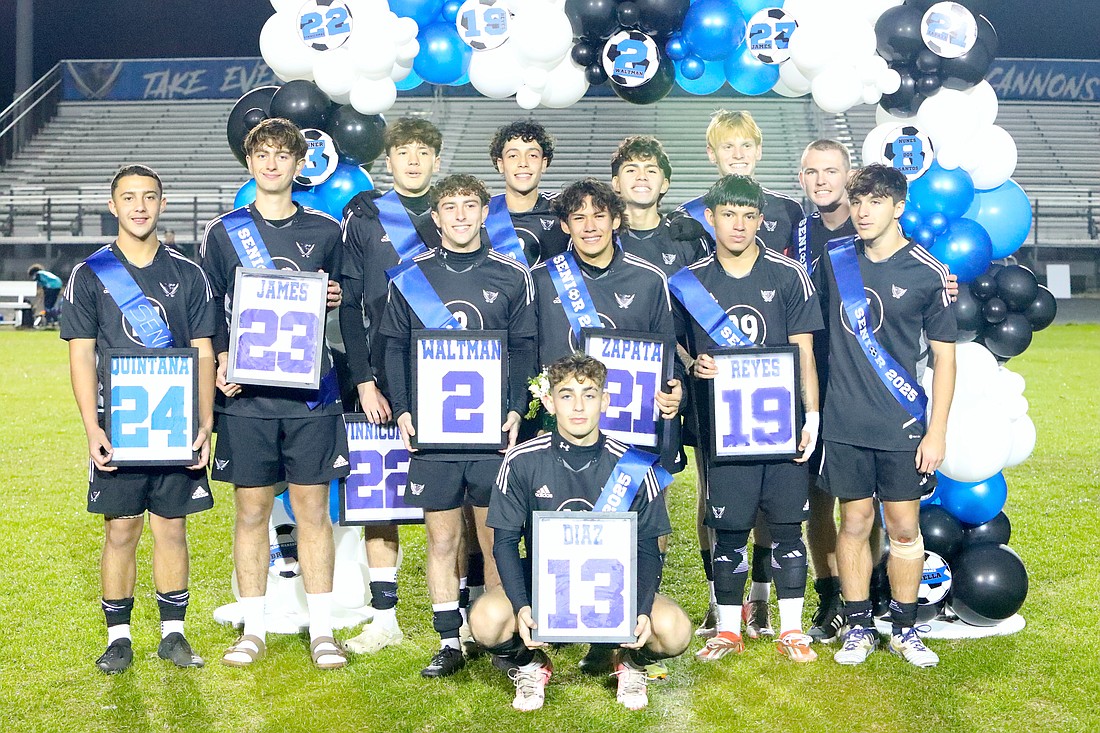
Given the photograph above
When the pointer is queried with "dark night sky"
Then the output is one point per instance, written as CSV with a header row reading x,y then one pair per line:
x,y
75,29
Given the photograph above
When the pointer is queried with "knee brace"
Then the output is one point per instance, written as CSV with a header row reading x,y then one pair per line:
x,y
731,566
788,558
447,623
908,550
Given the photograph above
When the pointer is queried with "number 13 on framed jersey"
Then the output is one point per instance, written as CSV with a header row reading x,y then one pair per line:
x,y
755,403
459,381
151,413
585,576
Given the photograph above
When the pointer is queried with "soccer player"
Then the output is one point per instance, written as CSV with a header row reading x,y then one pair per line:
x,y
770,301
886,297
641,173
99,316
270,434
49,288
566,470
412,157
484,290
521,152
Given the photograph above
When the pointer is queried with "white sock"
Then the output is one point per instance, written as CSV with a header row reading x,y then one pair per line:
x,y
449,644
383,575
170,627
790,614
729,619
713,598
320,614
385,617
760,591
255,624
116,632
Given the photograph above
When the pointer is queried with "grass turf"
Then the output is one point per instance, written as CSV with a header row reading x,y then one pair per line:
x,y
1046,677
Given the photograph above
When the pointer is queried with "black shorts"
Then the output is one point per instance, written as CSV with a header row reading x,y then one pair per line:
x,y
254,451
737,491
168,492
855,472
437,486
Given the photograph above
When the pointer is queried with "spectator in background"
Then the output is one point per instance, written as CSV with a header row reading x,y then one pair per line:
x,y
46,307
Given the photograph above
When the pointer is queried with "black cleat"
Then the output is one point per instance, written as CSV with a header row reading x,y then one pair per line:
x,y
597,661
446,662
827,621
176,650
117,658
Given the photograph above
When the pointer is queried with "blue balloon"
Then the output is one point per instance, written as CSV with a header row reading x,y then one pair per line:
x,y
713,29
450,10
692,68
965,248
712,79
443,56
1005,212
972,503
333,502
937,222
924,236
464,79
910,221
246,194
948,192
347,180
748,75
412,81
422,11
675,47
307,197
750,8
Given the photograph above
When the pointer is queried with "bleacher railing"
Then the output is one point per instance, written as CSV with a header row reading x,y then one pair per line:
x,y
30,111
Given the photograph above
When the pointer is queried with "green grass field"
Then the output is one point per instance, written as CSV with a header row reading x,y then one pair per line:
x,y
51,629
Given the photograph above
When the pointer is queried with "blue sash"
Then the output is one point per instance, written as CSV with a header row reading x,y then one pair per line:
x,y
849,285
696,208
328,391
421,296
502,233
698,301
246,239
566,275
395,219
802,244
128,296
626,479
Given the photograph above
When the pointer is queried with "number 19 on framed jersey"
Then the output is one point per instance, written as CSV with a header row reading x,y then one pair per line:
x,y
755,404
151,411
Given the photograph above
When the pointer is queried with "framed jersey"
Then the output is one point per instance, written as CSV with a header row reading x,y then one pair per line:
x,y
755,406
638,365
459,380
374,492
584,576
152,410
277,330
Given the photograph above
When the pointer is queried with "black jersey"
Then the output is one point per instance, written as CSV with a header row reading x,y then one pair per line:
x,y
485,290
657,247
779,221
175,286
909,306
539,228
368,254
309,241
630,295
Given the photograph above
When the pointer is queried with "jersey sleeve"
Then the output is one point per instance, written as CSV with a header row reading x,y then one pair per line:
x,y
202,313
653,518
352,326
396,317
939,319
79,313
219,275
802,306
508,505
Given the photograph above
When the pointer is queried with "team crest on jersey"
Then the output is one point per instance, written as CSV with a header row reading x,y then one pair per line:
x,y
624,301
221,464
897,292
718,511
416,489
668,257
305,249
385,239
490,296
767,295
557,301
94,497
544,492
770,225
170,289
547,224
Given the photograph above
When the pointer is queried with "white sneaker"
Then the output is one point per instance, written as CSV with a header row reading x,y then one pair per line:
x,y
709,628
374,638
859,642
632,693
530,681
909,646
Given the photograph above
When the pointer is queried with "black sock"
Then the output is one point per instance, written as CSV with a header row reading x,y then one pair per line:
x,y
383,595
464,597
761,564
513,651
827,587
447,623
475,569
902,615
117,610
858,613
173,604
708,564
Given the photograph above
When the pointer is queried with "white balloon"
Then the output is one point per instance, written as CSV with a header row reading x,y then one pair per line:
x,y
334,72
982,99
373,96
341,98
286,6
496,73
372,52
565,86
812,48
882,116
783,90
871,68
1013,406
528,98
1009,382
1023,441
282,50
979,442
401,71
794,79
404,30
366,10
871,94
944,113
536,77
888,82
872,9
407,51
995,158
541,33
837,88
975,371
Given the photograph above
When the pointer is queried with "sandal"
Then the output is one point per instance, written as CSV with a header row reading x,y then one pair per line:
x,y
240,646
326,646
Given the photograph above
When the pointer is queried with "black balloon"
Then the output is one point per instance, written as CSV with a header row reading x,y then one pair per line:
x,y
584,53
654,90
943,534
994,310
628,14
974,6
592,18
898,33
970,68
928,84
988,585
1017,286
595,74
1042,310
928,611
928,62
661,17
253,117
236,127
358,137
984,286
906,100
968,315
301,102
1010,337
997,531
